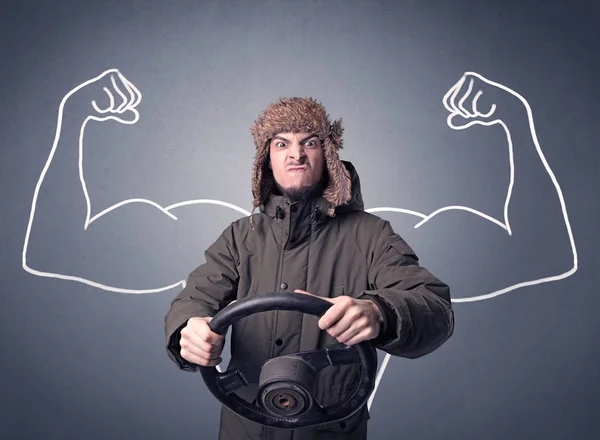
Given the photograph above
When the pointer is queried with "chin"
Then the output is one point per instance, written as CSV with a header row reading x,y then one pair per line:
x,y
298,187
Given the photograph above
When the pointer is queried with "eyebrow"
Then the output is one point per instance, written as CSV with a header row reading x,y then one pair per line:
x,y
302,141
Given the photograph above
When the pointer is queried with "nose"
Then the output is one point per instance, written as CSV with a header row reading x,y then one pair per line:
x,y
297,151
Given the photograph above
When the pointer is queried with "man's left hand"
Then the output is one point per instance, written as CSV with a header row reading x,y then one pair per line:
x,y
350,320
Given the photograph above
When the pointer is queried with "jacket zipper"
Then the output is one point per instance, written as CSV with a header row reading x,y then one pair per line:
x,y
279,274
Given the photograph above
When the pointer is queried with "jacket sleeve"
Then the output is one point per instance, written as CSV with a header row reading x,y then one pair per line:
x,y
417,310
209,288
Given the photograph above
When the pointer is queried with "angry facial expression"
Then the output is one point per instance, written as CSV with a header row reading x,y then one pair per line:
x,y
296,160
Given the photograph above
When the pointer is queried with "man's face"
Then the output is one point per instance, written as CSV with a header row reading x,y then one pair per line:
x,y
296,160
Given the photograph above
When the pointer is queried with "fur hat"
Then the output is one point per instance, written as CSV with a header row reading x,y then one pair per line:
x,y
299,115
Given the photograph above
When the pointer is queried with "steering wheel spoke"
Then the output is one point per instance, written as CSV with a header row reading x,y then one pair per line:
x,y
333,355
232,380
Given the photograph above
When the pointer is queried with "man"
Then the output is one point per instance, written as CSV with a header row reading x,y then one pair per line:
x,y
311,236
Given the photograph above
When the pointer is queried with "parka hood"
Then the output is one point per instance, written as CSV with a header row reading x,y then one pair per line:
x,y
356,200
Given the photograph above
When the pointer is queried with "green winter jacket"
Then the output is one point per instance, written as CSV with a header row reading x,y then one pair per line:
x,y
299,246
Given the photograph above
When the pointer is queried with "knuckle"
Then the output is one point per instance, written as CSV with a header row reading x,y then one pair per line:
x,y
355,313
347,300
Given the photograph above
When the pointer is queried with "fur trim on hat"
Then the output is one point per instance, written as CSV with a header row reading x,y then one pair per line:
x,y
299,115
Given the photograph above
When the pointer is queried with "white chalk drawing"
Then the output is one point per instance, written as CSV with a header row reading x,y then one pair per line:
x,y
453,101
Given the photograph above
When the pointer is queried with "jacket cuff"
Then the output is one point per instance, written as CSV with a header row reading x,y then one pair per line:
x,y
390,322
174,350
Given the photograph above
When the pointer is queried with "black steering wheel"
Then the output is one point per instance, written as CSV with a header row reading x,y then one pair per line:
x,y
286,384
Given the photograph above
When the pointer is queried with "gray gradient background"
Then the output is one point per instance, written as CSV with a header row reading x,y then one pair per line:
x,y
78,362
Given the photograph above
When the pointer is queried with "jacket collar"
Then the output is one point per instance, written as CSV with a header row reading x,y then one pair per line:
x,y
276,204
323,205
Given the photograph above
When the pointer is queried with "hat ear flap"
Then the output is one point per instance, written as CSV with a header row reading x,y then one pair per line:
x,y
262,182
335,133
339,190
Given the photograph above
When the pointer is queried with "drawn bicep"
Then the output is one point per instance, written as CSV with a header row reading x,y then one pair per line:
x,y
476,257
137,247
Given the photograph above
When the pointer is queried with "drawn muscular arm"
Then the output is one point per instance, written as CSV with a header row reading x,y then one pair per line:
x,y
135,246
482,256
538,246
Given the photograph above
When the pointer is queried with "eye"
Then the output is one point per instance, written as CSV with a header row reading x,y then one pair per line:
x,y
280,144
310,144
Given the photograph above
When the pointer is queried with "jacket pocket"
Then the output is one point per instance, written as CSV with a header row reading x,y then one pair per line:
x,y
402,247
338,291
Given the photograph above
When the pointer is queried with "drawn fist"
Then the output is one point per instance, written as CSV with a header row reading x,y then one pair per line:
x,y
472,101
108,96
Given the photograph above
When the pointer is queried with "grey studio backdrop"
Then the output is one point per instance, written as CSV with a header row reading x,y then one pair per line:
x,y
104,207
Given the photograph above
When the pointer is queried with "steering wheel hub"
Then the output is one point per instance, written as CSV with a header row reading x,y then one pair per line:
x,y
285,401
286,386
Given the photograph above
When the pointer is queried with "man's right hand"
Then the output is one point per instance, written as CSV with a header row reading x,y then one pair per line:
x,y
199,344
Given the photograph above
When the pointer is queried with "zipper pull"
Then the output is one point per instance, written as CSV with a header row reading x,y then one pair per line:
x,y
278,212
